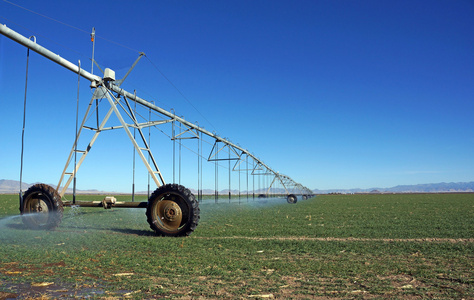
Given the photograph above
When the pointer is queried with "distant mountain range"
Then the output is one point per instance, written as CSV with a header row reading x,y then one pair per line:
x,y
443,187
13,186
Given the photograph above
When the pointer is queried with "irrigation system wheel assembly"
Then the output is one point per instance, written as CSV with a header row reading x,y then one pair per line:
x,y
172,211
41,207
292,199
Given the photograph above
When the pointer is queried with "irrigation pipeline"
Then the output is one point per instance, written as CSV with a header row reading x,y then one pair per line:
x,y
260,168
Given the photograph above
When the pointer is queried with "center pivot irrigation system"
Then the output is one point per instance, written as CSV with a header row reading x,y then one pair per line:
x,y
171,210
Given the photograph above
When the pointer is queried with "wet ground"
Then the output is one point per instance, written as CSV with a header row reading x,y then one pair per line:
x,y
50,290
45,290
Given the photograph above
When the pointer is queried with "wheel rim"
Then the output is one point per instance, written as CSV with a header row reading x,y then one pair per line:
x,y
37,209
168,215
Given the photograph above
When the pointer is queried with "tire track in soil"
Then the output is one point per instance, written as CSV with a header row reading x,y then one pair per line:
x,y
348,239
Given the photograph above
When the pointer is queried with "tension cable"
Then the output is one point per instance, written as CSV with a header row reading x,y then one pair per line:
x,y
24,122
75,140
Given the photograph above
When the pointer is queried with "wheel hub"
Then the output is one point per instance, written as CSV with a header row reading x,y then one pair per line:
x,y
38,205
172,211
170,215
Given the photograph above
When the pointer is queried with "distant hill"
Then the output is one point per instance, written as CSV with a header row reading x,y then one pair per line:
x,y
13,186
443,187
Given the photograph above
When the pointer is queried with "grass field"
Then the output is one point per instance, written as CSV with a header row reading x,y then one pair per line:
x,y
331,246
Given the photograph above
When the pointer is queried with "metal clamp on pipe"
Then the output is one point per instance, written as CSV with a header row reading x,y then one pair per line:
x,y
108,202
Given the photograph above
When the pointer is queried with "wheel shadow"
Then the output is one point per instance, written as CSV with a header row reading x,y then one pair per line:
x,y
67,228
137,232
117,230
19,226
84,227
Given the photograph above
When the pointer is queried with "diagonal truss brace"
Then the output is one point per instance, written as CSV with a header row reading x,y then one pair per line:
x,y
213,155
82,152
194,134
103,92
277,176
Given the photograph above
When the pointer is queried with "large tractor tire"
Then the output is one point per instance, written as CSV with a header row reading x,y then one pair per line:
x,y
292,199
42,207
172,211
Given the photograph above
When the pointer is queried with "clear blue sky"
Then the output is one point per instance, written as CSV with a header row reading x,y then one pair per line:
x,y
335,94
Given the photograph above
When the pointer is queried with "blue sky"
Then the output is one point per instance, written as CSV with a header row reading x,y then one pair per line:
x,y
335,94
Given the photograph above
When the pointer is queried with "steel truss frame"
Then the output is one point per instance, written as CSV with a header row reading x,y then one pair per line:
x,y
108,88
102,92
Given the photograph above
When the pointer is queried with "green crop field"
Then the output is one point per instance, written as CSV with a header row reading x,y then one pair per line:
x,y
332,246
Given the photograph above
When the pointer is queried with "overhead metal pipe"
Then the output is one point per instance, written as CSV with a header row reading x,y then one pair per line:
x,y
145,103
46,53
94,78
